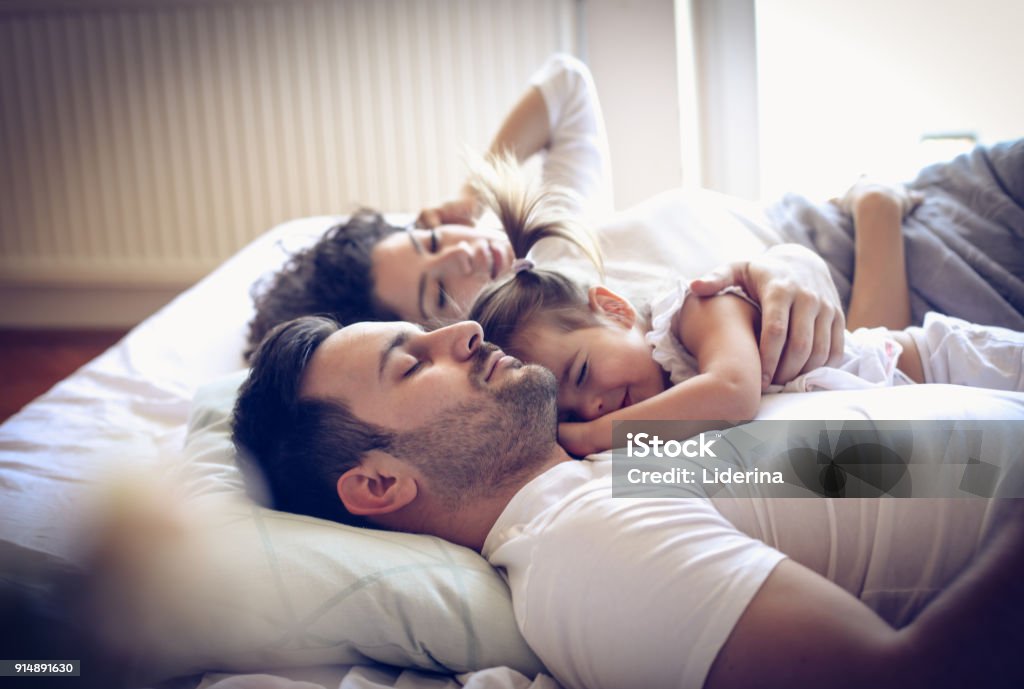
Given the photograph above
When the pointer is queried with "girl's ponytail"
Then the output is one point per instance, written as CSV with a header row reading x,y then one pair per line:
x,y
528,210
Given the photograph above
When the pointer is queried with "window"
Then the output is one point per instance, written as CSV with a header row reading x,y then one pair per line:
x,y
881,87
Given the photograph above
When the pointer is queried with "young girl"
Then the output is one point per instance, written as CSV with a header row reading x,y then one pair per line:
x,y
697,358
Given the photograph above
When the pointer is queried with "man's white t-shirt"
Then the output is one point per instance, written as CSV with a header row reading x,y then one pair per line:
x,y
643,592
613,592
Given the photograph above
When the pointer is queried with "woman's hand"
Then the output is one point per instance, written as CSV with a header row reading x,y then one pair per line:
x,y
524,131
802,322
461,211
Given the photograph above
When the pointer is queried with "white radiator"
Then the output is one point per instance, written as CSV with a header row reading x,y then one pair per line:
x,y
143,142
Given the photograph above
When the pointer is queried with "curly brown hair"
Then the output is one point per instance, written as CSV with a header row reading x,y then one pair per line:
x,y
331,278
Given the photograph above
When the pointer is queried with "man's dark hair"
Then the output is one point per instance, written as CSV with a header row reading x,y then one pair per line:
x,y
300,446
331,278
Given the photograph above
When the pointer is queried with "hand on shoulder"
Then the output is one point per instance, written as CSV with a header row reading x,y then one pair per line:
x,y
802,321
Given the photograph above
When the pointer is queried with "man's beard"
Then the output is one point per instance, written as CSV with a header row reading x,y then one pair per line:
x,y
475,449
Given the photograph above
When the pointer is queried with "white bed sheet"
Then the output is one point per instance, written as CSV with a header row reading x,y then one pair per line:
x,y
130,404
129,407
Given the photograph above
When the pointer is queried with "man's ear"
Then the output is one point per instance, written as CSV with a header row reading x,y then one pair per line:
x,y
380,484
606,303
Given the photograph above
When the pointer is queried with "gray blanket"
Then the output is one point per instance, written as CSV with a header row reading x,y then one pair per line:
x,y
964,244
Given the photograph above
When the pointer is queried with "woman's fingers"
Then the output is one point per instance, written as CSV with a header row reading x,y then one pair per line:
x,y
838,340
775,326
428,218
821,347
461,211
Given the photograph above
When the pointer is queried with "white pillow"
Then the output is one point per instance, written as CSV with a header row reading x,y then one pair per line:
x,y
306,591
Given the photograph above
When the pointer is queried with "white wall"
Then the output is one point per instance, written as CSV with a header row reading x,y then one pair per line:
x,y
142,142
630,46
726,81
148,146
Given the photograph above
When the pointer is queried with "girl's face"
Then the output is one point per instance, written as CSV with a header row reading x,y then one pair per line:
x,y
427,275
599,369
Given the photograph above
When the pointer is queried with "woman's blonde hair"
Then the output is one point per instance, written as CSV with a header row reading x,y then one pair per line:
x,y
529,212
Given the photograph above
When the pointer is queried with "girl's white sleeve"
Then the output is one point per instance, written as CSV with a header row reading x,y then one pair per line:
x,y
578,154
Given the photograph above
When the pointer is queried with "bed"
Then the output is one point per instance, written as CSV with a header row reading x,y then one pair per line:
x,y
285,601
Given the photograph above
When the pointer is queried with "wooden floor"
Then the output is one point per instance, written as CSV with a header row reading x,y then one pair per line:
x,y
31,361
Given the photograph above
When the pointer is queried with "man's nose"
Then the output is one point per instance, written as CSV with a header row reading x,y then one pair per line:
x,y
458,340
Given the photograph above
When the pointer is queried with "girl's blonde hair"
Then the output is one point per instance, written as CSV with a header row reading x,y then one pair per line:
x,y
530,212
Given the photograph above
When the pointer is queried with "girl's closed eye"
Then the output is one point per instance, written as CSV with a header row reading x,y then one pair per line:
x,y
576,368
581,377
